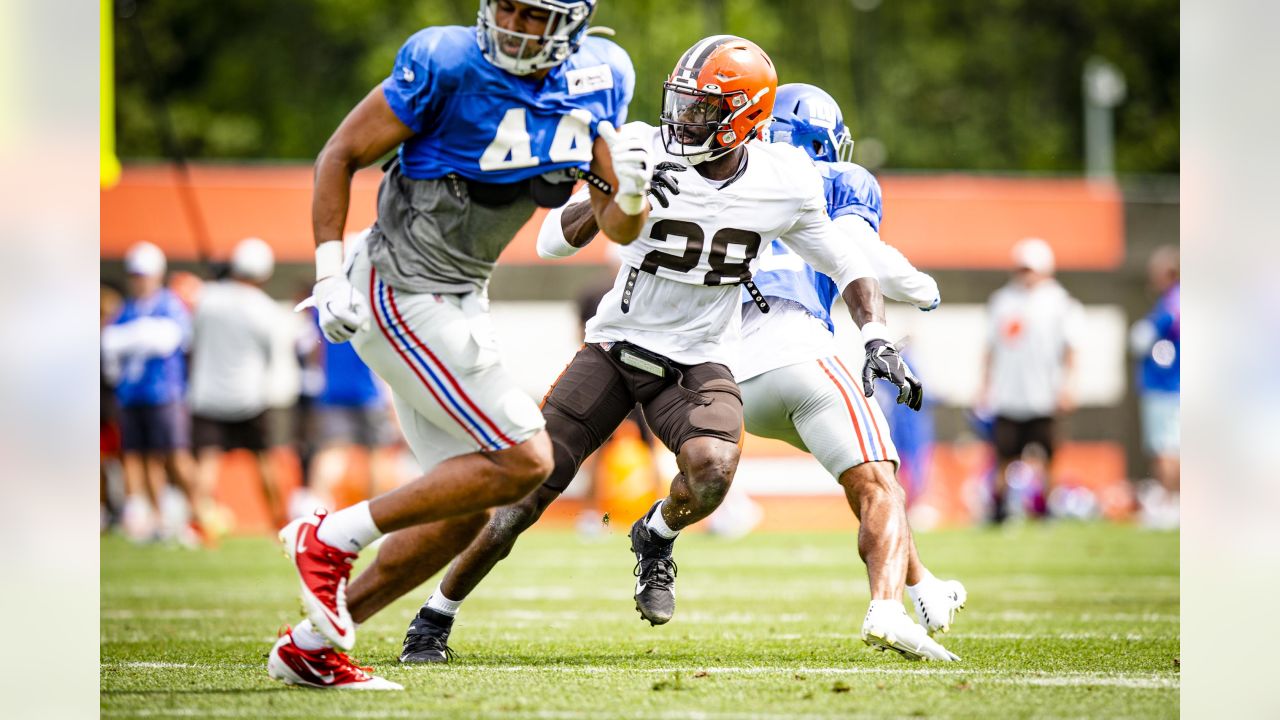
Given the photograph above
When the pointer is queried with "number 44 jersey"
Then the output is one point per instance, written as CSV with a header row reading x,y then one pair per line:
x,y
677,292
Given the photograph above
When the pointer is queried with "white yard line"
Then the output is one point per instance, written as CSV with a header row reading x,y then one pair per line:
x,y
1004,677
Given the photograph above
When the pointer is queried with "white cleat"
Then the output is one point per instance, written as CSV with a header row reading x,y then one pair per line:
x,y
326,668
936,603
888,627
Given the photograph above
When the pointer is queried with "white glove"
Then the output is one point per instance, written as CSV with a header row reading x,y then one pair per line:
x,y
343,311
632,166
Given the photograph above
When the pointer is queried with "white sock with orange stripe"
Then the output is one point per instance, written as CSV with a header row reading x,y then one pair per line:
x,y
349,529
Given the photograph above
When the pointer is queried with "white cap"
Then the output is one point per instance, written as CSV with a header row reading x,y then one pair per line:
x,y
1033,254
144,258
253,260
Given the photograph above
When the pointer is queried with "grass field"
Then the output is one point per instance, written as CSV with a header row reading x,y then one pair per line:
x,y
1063,620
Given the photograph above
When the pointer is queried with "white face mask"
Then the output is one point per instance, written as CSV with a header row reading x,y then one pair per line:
x,y
524,53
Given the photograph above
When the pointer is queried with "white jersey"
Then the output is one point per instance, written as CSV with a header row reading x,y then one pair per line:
x,y
690,257
231,351
1029,330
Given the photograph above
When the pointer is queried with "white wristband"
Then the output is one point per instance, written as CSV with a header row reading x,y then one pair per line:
x,y
328,259
874,331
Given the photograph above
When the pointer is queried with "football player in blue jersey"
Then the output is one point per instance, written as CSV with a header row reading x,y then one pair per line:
x,y
796,388
490,122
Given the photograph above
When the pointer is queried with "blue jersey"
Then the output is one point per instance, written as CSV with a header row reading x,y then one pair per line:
x,y
485,124
1162,365
348,382
851,190
150,380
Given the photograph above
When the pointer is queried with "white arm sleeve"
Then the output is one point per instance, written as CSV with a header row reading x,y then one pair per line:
x,y
899,279
146,336
818,242
552,244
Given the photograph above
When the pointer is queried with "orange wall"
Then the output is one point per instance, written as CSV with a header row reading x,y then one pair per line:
x,y
939,221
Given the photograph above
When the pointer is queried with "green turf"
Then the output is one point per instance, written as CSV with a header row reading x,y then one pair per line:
x,y
1063,620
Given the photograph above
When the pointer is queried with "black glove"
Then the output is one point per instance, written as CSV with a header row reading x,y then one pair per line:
x,y
883,361
664,182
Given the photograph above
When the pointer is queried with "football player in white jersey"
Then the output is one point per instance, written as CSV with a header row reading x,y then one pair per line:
x,y
667,331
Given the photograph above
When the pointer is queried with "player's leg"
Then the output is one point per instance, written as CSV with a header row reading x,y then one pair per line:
x,y
253,437
1007,436
406,558
1040,442
585,406
701,419
173,428
373,432
438,354
336,429
207,440
138,518
848,434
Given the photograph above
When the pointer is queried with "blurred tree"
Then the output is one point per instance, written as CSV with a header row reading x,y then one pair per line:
x,y
965,84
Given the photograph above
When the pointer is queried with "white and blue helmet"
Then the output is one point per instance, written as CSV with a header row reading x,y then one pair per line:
x,y
564,32
807,117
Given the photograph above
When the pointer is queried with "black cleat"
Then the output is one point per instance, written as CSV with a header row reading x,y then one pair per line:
x,y
426,641
655,571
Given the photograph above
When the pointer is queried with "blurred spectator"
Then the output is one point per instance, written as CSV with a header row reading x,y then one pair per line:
x,y
308,350
142,355
1156,339
109,471
235,330
913,434
1033,331
284,379
351,412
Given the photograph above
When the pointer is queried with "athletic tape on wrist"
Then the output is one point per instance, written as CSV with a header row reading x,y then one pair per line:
x,y
874,331
328,259
630,204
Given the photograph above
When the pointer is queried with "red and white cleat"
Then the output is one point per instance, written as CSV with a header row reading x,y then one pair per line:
x,y
323,571
326,668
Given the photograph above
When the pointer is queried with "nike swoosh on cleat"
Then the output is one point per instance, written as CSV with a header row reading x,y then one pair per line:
x,y
640,587
333,619
326,679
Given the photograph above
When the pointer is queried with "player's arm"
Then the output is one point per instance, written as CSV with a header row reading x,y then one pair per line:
x,y
815,239
369,131
1073,331
567,229
899,279
624,164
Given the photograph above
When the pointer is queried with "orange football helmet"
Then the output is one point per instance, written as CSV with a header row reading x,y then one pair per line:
x,y
719,95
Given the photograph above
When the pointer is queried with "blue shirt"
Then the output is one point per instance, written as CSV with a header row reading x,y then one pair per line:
x,y
483,123
1161,368
150,380
851,190
348,382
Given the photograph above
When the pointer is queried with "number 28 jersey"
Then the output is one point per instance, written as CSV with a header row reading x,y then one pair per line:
x,y
690,257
